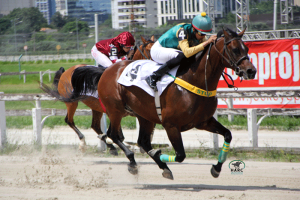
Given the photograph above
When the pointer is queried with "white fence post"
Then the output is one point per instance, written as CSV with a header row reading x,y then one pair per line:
x,y
24,76
41,77
102,145
49,71
36,122
2,123
215,137
252,127
230,105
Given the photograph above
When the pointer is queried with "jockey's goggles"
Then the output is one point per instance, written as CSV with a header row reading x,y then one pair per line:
x,y
201,34
126,46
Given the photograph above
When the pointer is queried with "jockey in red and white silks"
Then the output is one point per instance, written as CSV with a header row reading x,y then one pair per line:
x,y
110,51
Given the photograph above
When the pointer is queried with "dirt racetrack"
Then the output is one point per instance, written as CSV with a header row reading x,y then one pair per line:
x,y
67,174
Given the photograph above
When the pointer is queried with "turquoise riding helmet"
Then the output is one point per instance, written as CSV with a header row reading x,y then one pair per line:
x,y
202,23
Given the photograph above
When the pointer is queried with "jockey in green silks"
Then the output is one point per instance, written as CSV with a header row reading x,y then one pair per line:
x,y
183,40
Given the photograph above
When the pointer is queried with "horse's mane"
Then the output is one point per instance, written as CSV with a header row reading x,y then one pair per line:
x,y
192,62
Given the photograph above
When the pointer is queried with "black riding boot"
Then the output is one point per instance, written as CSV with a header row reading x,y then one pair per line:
x,y
156,76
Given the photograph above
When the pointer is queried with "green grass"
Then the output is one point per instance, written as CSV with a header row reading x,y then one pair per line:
x,y
13,83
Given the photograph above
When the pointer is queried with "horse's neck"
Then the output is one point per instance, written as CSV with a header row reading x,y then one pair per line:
x,y
199,76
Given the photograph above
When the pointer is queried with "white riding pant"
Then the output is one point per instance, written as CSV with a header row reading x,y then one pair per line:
x,y
161,54
100,58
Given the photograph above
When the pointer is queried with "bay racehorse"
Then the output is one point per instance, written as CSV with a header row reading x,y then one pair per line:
x,y
181,109
63,90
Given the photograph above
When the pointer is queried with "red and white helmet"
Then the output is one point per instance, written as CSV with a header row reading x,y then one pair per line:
x,y
125,39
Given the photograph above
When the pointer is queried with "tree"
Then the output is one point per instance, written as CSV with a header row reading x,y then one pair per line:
x,y
264,7
4,25
25,20
107,23
83,27
57,20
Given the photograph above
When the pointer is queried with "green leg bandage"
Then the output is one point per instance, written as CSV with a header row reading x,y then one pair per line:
x,y
224,152
166,158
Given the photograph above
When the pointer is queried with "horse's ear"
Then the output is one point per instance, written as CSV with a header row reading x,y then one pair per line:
x,y
242,33
143,40
152,38
226,34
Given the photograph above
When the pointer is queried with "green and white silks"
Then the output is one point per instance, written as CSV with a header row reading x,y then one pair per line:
x,y
224,152
166,158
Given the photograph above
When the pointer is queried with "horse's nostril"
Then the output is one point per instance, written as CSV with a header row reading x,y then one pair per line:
x,y
251,73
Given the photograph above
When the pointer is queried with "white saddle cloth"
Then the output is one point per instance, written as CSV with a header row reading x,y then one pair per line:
x,y
136,73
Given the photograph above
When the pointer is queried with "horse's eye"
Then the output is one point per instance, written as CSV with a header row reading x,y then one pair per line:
x,y
236,51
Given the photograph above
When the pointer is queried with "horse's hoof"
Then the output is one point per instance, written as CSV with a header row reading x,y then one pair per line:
x,y
82,149
82,145
214,173
167,174
133,169
114,152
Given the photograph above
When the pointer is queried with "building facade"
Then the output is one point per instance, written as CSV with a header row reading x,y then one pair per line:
x,y
47,8
60,6
128,12
85,10
151,14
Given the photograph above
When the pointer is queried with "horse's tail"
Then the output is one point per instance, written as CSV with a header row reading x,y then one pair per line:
x,y
85,80
57,76
53,90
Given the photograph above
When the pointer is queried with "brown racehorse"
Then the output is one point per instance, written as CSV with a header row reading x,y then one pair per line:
x,y
181,109
63,90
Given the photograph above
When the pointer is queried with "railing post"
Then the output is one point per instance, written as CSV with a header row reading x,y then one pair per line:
x,y
36,122
24,76
41,77
102,145
230,105
49,75
215,137
2,123
252,127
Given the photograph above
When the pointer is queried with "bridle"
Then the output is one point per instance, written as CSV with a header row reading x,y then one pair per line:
x,y
234,63
144,46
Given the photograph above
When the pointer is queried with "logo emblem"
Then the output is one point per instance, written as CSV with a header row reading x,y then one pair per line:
x,y
133,73
237,167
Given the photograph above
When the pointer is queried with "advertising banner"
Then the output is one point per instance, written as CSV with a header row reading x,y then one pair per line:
x,y
277,63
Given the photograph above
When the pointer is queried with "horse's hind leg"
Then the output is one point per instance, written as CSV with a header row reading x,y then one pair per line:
x,y
116,136
144,140
96,126
212,125
71,108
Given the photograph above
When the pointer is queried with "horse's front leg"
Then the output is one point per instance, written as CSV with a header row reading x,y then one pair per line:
x,y
212,125
175,138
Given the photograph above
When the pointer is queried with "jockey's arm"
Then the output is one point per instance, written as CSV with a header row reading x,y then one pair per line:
x,y
114,55
184,44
